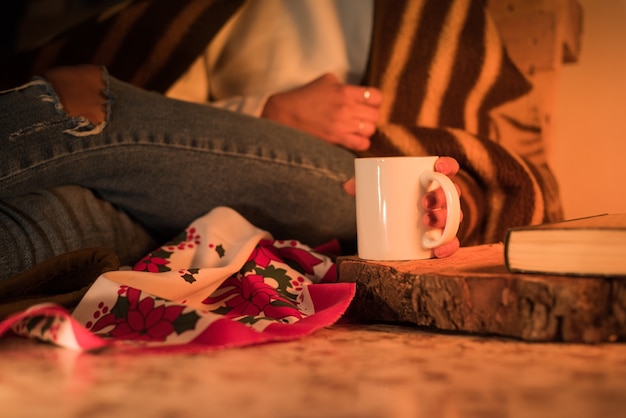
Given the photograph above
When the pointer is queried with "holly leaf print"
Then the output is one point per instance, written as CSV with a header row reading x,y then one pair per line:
x,y
278,274
120,309
161,253
44,322
34,321
49,322
249,320
188,278
219,249
155,262
247,266
222,310
186,322
189,275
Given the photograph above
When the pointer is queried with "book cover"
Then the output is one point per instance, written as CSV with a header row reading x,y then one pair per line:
x,y
590,246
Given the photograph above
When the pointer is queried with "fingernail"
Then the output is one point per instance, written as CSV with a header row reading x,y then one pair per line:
x,y
432,219
431,201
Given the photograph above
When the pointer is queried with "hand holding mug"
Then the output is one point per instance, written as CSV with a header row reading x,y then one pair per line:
x,y
401,213
434,203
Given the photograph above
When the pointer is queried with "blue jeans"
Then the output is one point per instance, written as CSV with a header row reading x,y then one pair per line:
x,y
150,169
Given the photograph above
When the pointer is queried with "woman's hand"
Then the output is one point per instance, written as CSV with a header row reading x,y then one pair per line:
x,y
435,204
338,113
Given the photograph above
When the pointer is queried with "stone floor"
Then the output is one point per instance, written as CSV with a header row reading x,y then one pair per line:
x,y
348,370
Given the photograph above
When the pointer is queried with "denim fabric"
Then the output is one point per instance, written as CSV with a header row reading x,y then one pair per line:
x,y
39,225
164,163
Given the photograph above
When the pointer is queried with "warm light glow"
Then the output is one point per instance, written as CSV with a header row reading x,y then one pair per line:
x,y
588,146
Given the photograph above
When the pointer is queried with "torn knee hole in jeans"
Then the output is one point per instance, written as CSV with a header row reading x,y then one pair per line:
x,y
76,124
82,94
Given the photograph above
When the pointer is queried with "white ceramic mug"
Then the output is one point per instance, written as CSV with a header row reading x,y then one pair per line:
x,y
389,212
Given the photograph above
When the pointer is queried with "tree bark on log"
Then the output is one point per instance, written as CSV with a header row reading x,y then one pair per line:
x,y
473,292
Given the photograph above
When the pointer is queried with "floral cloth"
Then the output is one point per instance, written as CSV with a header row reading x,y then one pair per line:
x,y
221,283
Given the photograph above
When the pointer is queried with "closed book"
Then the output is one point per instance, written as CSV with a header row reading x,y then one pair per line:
x,y
591,246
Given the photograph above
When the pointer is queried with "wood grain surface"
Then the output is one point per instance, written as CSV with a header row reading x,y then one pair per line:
x,y
473,292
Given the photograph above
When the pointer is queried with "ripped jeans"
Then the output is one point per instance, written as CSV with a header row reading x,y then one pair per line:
x,y
152,167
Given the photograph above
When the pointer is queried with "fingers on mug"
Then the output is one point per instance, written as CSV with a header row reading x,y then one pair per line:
x,y
453,207
389,215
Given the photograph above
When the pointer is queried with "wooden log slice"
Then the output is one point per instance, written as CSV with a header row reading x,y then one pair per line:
x,y
473,292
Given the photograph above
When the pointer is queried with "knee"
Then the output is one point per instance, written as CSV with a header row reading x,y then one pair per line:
x,y
80,90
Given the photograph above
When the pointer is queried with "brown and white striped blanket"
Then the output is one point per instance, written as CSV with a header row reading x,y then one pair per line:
x,y
449,87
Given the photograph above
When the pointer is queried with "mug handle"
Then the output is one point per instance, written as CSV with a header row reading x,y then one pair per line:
x,y
453,205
